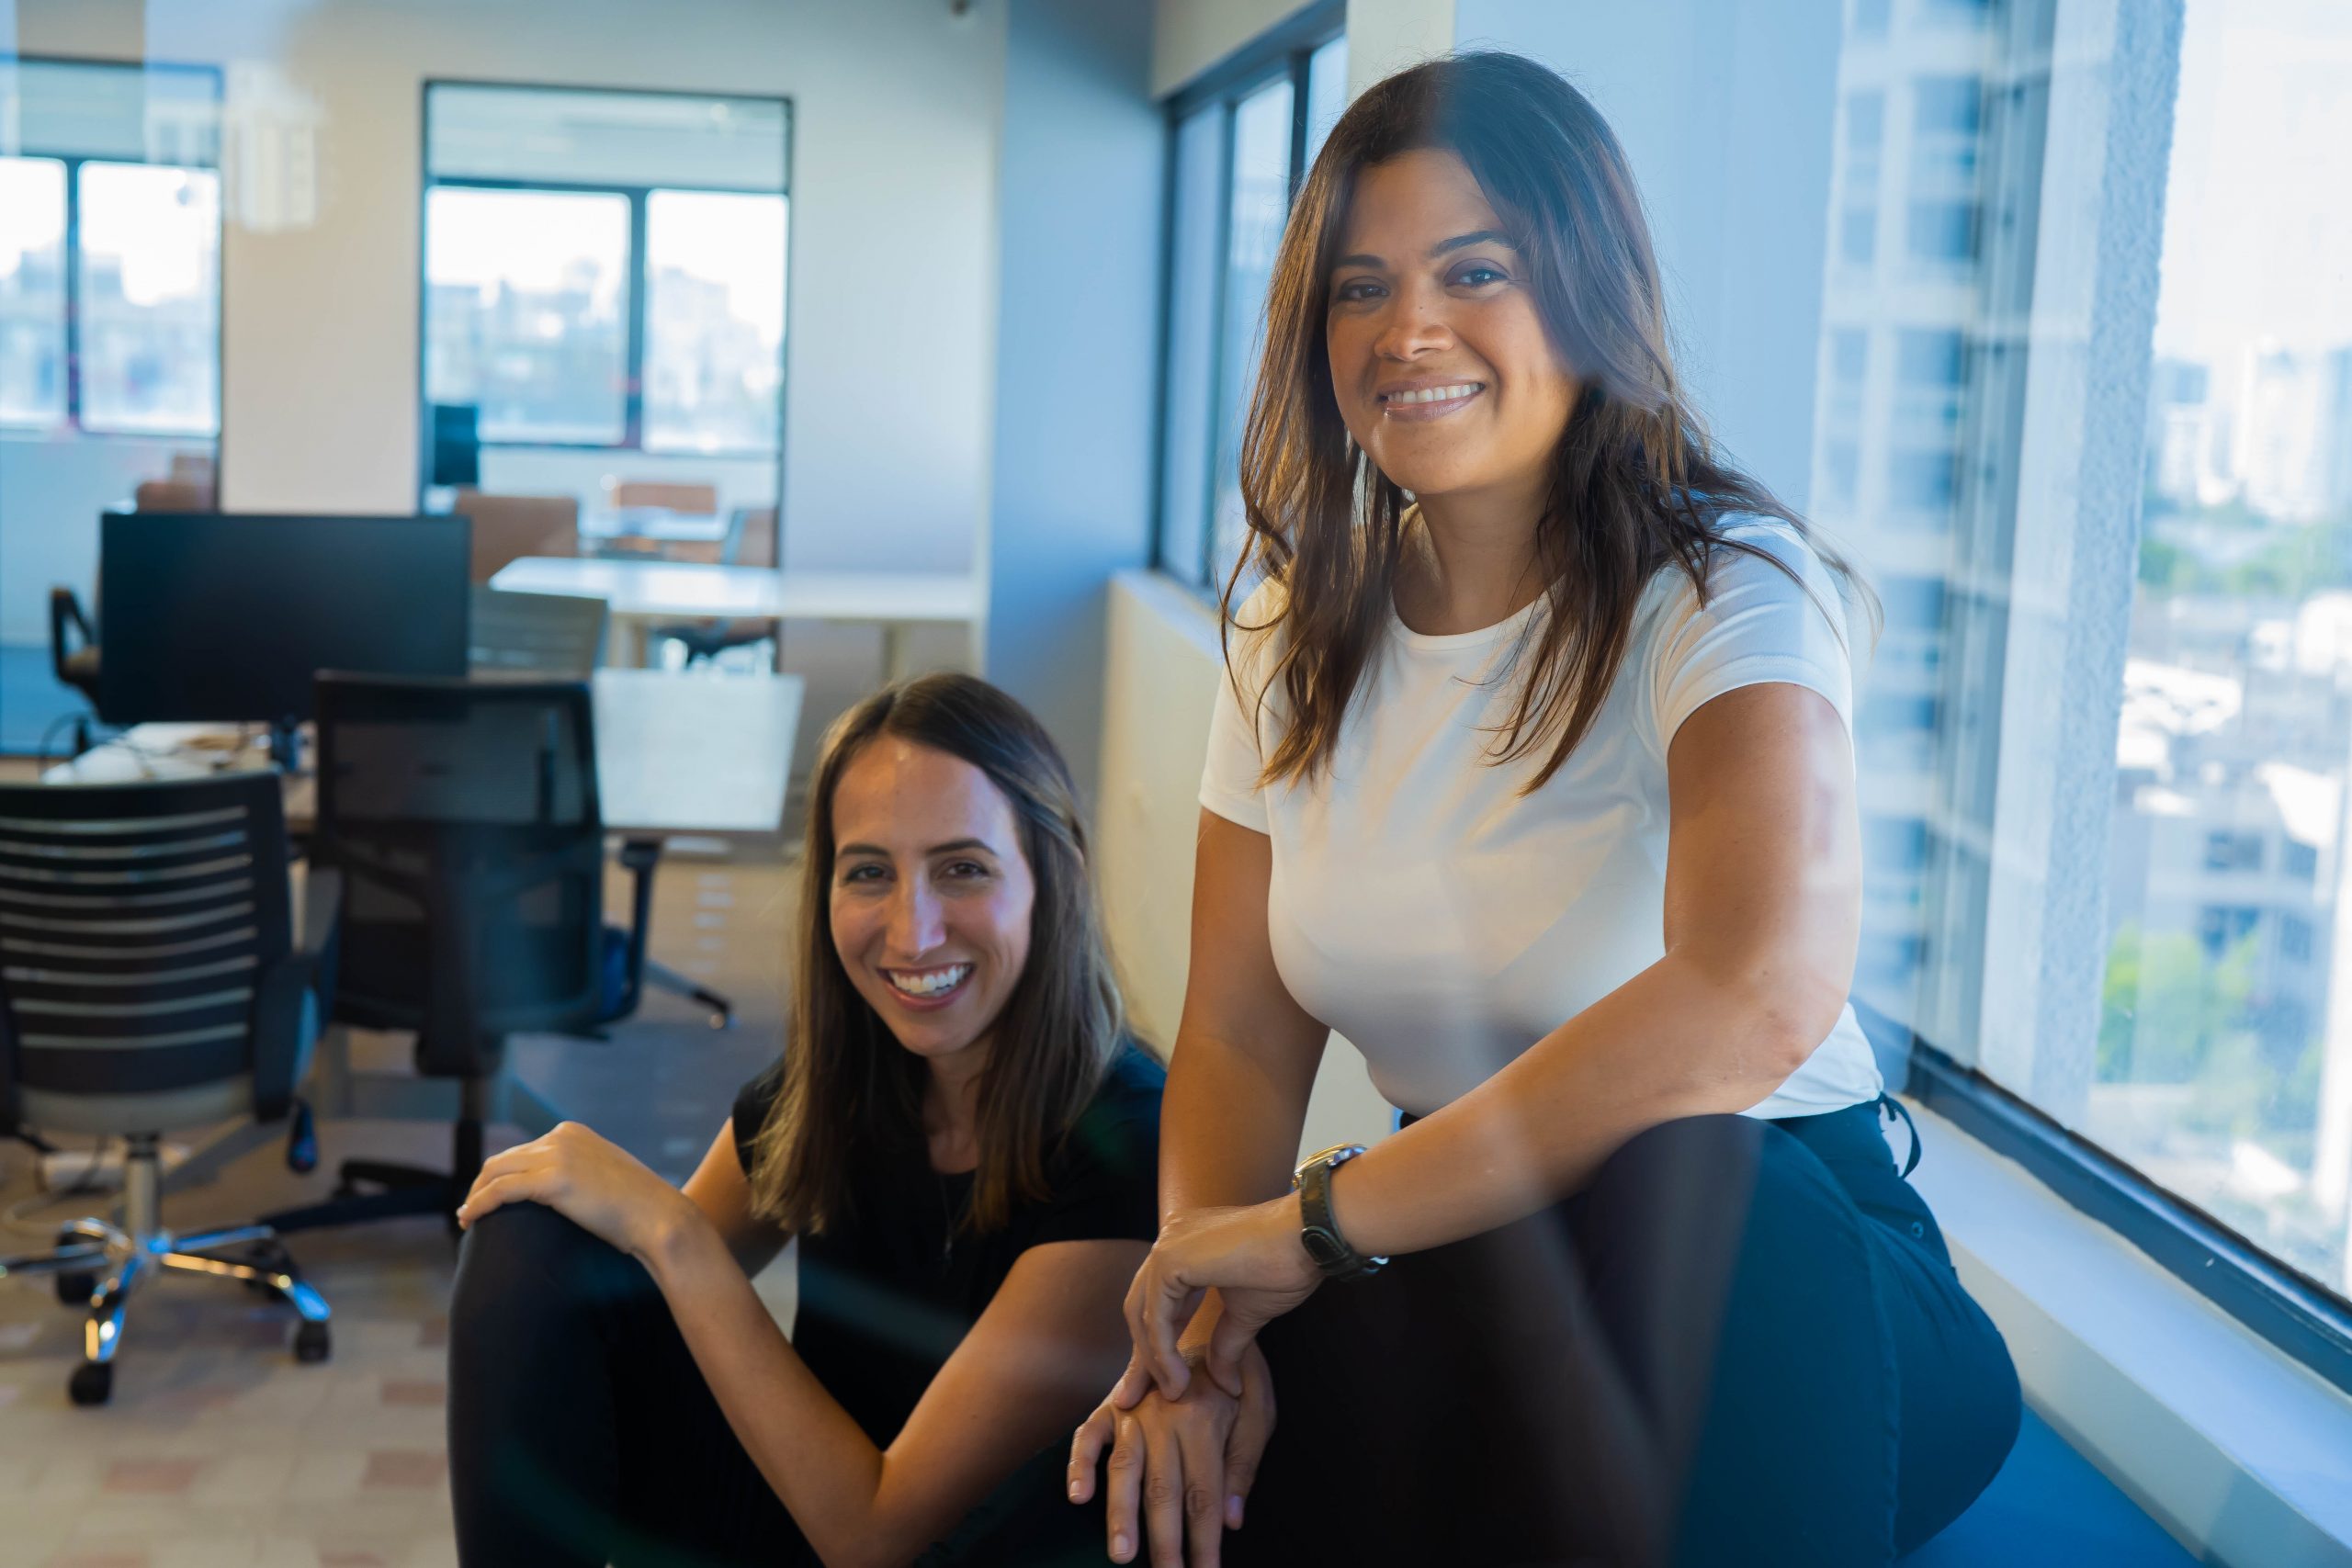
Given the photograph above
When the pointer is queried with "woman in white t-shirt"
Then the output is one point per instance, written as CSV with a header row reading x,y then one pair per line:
x,y
1538,787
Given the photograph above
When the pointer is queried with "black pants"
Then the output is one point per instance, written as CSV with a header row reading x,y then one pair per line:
x,y
582,1432
1742,1344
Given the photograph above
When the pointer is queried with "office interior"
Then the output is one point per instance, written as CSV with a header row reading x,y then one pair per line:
x,y
776,349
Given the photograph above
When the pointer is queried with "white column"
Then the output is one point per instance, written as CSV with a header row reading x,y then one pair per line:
x,y
1385,36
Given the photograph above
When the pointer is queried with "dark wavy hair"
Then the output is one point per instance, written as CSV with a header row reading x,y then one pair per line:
x,y
846,1083
1636,484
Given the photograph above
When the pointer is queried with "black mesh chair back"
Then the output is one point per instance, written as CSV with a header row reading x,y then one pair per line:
x,y
465,819
141,925
554,636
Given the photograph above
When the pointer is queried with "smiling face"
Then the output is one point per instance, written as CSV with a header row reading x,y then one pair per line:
x,y
931,893
1444,374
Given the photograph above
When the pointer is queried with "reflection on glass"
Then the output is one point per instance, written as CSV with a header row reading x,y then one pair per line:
x,y
1895,372
1261,201
150,299
525,311
713,321
1327,92
2224,1063
32,290
1188,435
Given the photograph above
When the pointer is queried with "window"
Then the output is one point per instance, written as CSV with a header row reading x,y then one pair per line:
x,y
110,249
2115,588
607,270
1240,145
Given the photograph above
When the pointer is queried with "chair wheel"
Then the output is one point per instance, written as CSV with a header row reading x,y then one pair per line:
x,y
312,1342
93,1382
75,1289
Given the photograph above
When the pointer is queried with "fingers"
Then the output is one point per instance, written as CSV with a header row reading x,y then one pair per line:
x,y
1163,1499
516,1186
1200,1432
1123,1486
1086,1449
1228,1342
1159,1306
1245,1446
1133,1384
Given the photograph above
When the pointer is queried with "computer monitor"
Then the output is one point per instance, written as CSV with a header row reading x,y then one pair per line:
x,y
226,618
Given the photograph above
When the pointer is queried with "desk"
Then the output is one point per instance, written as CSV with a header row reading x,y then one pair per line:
x,y
643,591
675,753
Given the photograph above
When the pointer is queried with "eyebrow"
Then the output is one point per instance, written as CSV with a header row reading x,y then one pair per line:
x,y
1444,247
950,846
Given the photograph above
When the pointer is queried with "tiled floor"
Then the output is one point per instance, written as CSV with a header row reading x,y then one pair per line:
x,y
218,1449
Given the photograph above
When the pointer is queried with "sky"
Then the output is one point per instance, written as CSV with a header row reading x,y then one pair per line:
x,y
2258,207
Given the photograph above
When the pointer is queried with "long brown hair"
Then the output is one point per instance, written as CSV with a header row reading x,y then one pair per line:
x,y
846,1083
1635,481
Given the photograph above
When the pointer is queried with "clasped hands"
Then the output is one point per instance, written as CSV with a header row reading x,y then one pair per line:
x,y
1188,1420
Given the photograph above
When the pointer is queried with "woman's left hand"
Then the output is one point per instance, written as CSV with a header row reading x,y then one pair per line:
x,y
588,1179
1252,1256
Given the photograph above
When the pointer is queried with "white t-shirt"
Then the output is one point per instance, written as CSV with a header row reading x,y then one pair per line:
x,y
1441,921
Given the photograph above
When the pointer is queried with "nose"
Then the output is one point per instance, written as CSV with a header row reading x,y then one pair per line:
x,y
916,926
1413,323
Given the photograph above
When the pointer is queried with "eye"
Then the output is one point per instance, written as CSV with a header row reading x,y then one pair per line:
x,y
964,869
1355,289
860,873
1478,274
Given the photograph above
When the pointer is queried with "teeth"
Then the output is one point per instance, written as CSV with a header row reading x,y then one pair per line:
x,y
1434,394
932,983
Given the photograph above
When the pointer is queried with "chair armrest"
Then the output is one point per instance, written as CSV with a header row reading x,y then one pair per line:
x,y
296,996
65,611
321,937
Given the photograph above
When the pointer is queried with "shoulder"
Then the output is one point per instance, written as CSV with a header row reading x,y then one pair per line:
x,y
1752,558
1117,1135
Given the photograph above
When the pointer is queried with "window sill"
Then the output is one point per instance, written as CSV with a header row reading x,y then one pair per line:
x,y
2243,1454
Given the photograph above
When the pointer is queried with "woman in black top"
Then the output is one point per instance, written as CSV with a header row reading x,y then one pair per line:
x,y
963,1140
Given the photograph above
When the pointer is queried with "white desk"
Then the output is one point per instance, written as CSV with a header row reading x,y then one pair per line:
x,y
694,752
648,591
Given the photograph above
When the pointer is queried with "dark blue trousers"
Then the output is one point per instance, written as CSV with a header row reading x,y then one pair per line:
x,y
1742,1344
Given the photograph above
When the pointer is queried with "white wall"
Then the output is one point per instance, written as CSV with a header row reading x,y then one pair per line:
x,y
1078,344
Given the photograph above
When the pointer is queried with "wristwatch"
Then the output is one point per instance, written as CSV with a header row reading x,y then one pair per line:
x,y
1319,1232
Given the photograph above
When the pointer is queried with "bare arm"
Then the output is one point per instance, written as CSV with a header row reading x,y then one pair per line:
x,y
1029,1370
723,1192
1246,1053
1762,914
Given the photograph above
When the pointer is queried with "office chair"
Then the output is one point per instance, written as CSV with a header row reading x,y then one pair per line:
x,y
751,541
553,636
464,818
151,981
508,527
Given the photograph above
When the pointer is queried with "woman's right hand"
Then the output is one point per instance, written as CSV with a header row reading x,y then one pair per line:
x,y
1185,1464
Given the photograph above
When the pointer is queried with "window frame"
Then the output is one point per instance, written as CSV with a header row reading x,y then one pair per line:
x,y
637,195
71,257
1283,52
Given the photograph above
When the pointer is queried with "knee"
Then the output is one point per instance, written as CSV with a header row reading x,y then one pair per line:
x,y
515,1254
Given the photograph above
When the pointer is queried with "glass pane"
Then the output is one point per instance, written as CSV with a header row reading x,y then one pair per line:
x,y
1327,92
525,311
1191,345
2224,1065
1898,369
1261,201
32,291
713,321
150,299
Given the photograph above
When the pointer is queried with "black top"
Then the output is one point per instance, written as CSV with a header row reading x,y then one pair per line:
x,y
887,1293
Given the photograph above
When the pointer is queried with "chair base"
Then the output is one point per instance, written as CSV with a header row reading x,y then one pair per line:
x,y
408,1191
103,1263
